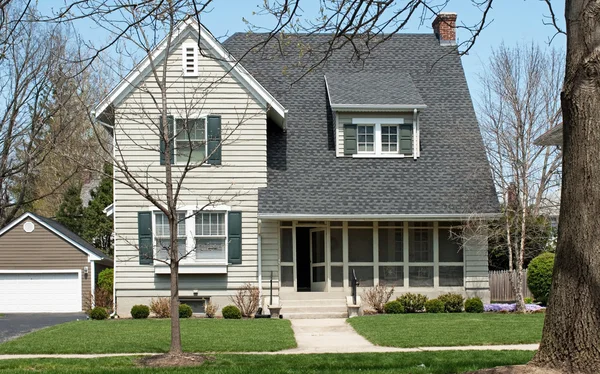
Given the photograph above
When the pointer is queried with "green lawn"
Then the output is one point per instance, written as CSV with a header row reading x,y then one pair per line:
x,y
436,330
413,363
153,335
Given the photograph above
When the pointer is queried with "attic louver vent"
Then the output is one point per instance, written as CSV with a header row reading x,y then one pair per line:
x,y
190,59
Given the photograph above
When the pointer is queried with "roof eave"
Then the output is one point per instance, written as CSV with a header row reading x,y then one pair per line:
x,y
376,107
390,217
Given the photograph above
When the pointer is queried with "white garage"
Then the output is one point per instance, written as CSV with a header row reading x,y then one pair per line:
x,y
40,292
46,268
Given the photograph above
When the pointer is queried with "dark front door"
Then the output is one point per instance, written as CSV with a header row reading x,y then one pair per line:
x,y
303,258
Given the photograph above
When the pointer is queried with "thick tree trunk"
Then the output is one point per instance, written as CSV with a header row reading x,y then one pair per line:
x,y
571,337
174,266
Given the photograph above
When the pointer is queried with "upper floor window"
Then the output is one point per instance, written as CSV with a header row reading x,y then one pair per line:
x,y
189,59
378,137
190,140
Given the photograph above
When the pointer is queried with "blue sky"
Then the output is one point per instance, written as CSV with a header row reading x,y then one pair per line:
x,y
512,22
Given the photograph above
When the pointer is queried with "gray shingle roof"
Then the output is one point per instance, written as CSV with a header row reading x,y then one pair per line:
x,y
372,88
452,176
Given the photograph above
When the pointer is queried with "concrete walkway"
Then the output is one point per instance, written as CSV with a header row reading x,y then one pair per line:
x,y
316,336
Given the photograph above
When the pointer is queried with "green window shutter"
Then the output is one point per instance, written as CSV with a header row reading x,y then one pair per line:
x,y
162,143
349,139
213,149
234,232
145,237
406,139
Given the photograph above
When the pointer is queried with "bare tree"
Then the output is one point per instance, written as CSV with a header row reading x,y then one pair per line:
x,y
520,101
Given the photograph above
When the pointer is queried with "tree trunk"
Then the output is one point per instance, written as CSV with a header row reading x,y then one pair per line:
x,y
174,266
571,336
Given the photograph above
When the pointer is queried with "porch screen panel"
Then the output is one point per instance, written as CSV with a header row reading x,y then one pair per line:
x,y
451,276
420,248
287,276
364,275
360,245
450,246
336,245
337,276
390,245
420,276
287,245
391,276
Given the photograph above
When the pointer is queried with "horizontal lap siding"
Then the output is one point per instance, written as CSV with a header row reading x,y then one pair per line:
x,y
234,183
41,249
270,254
476,259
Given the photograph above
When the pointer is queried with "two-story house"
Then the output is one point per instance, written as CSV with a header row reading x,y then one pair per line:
x,y
359,167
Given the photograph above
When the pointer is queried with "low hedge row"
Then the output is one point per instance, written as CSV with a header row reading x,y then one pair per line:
x,y
446,303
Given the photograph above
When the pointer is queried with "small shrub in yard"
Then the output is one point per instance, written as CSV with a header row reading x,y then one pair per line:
x,y
474,305
393,307
98,313
247,299
377,297
161,307
140,311
539,276
412,303
211,310
528,300
453,302
231,312
434,306
185,311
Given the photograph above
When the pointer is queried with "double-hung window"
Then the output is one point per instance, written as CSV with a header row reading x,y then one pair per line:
x,y
210,236
383,137
162,238
190,140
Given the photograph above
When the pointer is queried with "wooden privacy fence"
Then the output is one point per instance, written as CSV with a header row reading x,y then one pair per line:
x,y
501,287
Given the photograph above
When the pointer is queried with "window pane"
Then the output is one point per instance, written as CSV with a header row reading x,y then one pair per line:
x,y
364,275
450,249
420,246
210,224
391,223
210,249
420,276
337,276
181,224
366,138
391,275
287,245
197,305
318,274
287,276
194,150
336,245
360,223
181,248
360,245
390,245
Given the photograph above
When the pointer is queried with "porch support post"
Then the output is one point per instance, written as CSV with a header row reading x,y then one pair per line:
x,y
345,254
436,256
376,253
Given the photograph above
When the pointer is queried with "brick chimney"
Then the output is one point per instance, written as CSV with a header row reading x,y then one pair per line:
x,y
444,28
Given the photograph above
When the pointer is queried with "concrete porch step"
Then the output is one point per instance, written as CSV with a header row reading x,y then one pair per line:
x,y
307,303
317,309
307,315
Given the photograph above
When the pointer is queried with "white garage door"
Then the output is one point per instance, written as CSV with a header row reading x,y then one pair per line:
x,y
40,292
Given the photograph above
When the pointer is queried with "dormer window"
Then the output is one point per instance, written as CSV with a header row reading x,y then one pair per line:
x,y
378,137
189,58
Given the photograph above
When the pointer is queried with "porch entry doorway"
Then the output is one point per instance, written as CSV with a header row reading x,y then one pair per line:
x,y
311,261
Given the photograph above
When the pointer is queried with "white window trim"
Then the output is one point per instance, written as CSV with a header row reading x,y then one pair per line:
x,y
184,48
202,117
377,123
190,230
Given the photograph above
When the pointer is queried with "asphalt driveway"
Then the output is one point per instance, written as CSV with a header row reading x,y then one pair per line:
x,y
14,325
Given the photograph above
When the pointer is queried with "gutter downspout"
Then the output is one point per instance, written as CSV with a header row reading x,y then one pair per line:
x,y
260,263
